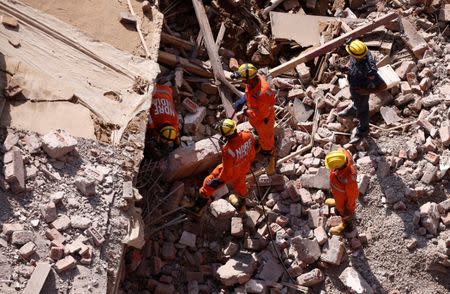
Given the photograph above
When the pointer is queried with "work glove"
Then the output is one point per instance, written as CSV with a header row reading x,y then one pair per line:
x,y
235,75
240,103
214,183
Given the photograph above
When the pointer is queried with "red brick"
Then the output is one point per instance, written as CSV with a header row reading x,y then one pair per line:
x,y
96,236
56,253
8,229
55,235
282,220
66,263
190,105
432,157
27,250
61,223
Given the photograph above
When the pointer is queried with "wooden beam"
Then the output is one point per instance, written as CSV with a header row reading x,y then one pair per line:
x,y
173,60
213,54
272,6
175,41
220,34
188,45
331,45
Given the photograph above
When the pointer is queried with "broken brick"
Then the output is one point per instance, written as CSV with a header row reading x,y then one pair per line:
x,y
56,253
27,250
237,227
61,223
190,105
65,264
54,234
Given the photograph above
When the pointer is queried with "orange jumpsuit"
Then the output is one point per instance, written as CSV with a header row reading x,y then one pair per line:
x,y
237,157
163,110
344,187
260,103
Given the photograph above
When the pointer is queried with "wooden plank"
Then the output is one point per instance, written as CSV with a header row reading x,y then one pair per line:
x,y
331,45
214,55
274,5
172,60
413,39
175,41
37,280
220,34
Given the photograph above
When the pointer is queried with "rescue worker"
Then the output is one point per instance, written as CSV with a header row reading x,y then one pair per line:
x,y
344,187
363,79
259,99
162,127
238,154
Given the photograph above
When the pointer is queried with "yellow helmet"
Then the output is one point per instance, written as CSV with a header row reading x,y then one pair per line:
x,y
227,127
357,49
335,159
247,71
168,133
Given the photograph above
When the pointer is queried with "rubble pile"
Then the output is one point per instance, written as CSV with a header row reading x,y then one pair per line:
x,y
61,210
281,243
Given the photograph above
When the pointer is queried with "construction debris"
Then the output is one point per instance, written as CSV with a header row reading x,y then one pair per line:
x,y
92,207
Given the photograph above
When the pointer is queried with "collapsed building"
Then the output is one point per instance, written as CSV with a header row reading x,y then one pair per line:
x,y
84,200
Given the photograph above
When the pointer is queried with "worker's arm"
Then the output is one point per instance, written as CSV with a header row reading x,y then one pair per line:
x,y
228,159
351,189
267,105
240,103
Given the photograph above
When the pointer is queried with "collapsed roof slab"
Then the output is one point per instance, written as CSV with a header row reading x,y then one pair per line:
x,y
100,76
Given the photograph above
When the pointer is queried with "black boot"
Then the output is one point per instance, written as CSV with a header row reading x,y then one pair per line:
x,y
357,136
238,202
198,206
348,113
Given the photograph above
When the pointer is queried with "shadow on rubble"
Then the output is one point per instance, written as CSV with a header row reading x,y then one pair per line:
x,y
5,207
394,191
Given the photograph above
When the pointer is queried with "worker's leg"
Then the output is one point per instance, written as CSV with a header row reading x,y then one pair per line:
x,y
361,103
238,199
266,133
200,203
348,112
340,201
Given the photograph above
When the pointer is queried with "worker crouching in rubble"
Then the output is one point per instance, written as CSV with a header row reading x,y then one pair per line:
x,y
238,154
162,127
363,79
259,99
344,188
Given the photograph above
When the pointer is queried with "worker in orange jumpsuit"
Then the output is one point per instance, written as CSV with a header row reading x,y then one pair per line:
x,y
260,101
344,187
162,127
237,156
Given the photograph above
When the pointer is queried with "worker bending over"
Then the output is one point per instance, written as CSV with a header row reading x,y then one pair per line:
x,y
162,127
238,154
344,187
363,79
259,99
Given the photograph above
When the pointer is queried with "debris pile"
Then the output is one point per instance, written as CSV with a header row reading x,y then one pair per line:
x,y
281,243
60,210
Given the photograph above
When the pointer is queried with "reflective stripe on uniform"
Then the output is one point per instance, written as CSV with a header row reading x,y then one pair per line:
x,y
231,153
333,186
161,91
342,180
